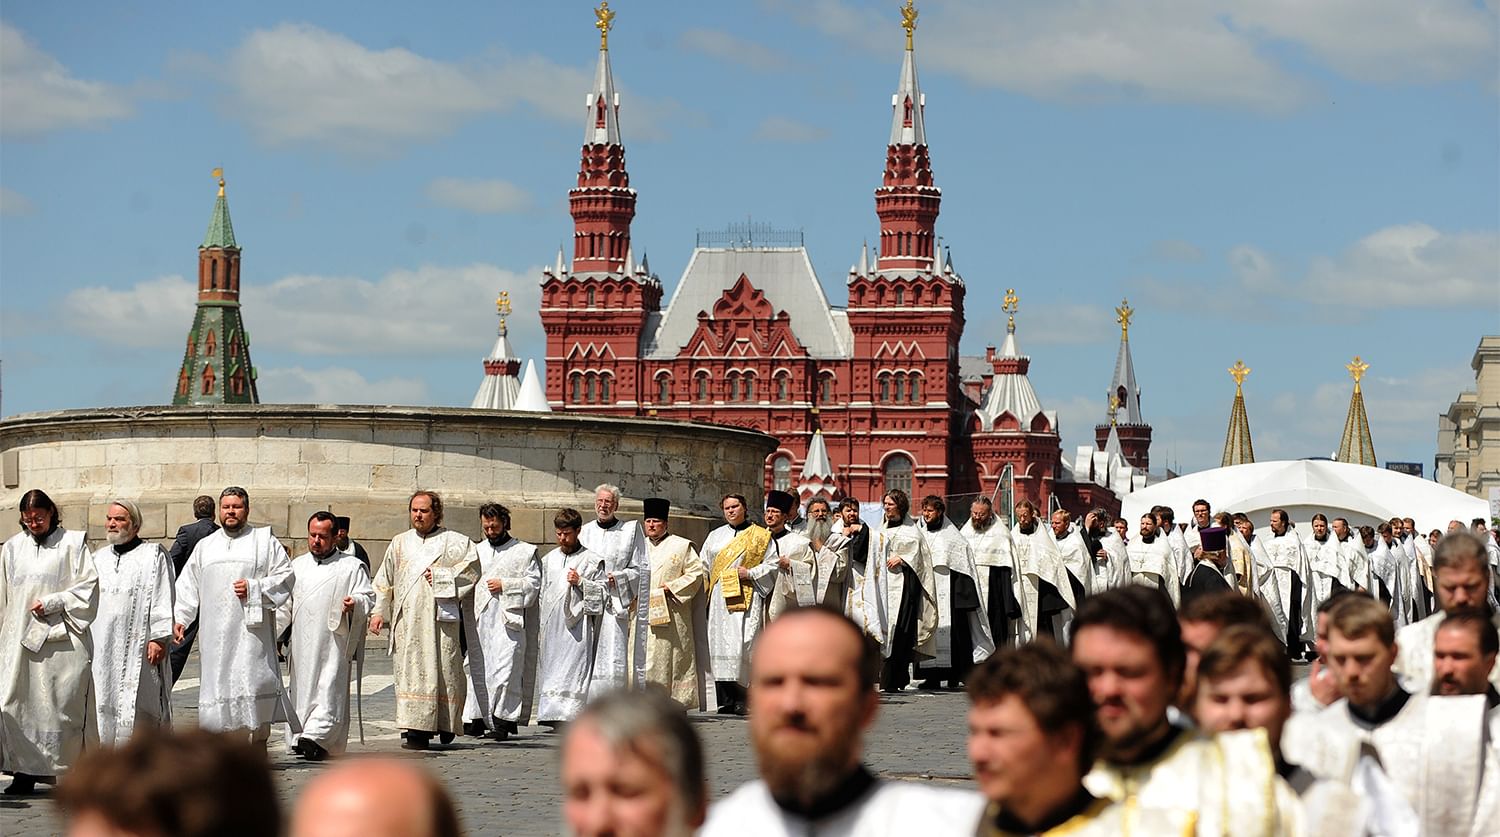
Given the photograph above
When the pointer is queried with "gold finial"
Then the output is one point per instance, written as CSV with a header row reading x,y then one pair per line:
x,y
1012,302
1122,316
1239,372
219,176
1114,407
605,22
909,21
502,307
1357,370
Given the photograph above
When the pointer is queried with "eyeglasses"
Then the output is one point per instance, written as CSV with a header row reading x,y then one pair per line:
x,y
34,517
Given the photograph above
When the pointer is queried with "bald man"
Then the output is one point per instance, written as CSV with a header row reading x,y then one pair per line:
x,y
375,798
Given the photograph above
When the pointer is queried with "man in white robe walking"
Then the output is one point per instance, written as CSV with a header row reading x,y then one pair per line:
x,y
49,595
1462,578
674,599
995,568
1294,579
622,545
738,544
232,584
133,629
1326,562
1352,552
963,637
419,589
864,588
1151,561
1046,591
1074,553
331,602
573,592
911,592
510,576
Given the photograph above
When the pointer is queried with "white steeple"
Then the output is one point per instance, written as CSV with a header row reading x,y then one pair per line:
x,y
531,399
817,472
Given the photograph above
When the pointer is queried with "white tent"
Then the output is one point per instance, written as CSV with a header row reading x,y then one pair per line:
x,y
1304,487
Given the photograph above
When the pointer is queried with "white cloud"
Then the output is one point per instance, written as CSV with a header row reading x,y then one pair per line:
x,y
13,203
336,385
429,309
786,129
40,95
726,47
299,84
482,196
1410,265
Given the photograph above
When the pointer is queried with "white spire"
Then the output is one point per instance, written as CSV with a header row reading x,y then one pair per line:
x,y
864,258
629,268
531,399
561,266
817,471
602,122
942,266
907,126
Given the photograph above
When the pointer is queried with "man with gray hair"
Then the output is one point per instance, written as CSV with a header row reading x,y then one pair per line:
x,y
132,630
627,568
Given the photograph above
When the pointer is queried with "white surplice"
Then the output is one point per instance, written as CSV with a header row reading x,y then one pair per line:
x,y
1179,546
1414,653
904,542
569,632
951,556
1357,560
1325,560
622,632
1293,575
864,588
1114,570
1153,565
672,647
135,607
496,627
425,618
729,633
240,686
324,642
1038,560
1389,579
1074,552
46,696
897,809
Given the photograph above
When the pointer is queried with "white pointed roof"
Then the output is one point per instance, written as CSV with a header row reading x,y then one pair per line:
x,y
1010,391
817,471
498,389
1129,411
605,131
907,90
531,399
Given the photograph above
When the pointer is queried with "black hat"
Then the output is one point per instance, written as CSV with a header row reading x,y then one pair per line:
x,y
781,501
1213,538
341,523
656,508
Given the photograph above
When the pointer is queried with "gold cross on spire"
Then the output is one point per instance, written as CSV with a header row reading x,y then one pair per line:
x,y
1122,316
1012,302
1357,370
909,21
1239,372
219,176
1114,407
605,21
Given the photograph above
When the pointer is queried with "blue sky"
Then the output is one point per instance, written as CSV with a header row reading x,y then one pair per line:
x,y
1291,182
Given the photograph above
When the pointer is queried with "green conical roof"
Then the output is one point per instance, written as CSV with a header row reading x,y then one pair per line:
x,y
220,230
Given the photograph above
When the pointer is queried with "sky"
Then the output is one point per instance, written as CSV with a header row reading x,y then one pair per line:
x,y
1287,182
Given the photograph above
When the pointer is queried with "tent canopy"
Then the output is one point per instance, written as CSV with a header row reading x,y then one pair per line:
x,y
1304,487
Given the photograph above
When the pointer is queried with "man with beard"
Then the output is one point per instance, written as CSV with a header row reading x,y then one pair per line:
x,y
788,558
1385,571
1074,553
738,544
133,629
235,580
1166,522
963,632
627,571
510,579
1325,561
1289,562
1111,563
911,592
830,551
49,594
864,601
1045,589
996,569
1353,555
1130,648
343,544
1151,561
812,699
676,580
427,573
1462,576
1463,655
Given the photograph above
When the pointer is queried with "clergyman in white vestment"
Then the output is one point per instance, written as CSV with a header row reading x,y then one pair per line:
x,y
510,576
675,594
48,596
573,593
331,602
738,544
133,629
623,547
963,630
995,568
232,584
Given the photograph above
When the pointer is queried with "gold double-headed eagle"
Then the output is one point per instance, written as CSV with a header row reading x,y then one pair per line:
x,y
605,21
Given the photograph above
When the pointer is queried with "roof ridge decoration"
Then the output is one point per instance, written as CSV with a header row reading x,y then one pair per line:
x,y
1238,449
1356,446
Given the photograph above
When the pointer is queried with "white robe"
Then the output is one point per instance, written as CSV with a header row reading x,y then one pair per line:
x,y
898,809
864,592
622,632
135,607
496,627
951,555
569,633
324,642
1262,582
46,713
1289,558
1357,560
1385,570
240,686
1414,654
1325,560
904,542
1113,571
729,634
672,647
1075,556
1037,559
1153,565
1179,546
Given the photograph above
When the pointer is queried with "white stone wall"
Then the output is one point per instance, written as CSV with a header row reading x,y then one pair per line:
x,y
365,461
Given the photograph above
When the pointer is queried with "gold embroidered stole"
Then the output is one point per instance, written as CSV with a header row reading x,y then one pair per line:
x,y
749,547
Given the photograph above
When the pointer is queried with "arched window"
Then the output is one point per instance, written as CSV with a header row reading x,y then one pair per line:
x,y
781,473
213,274
749,386
210,343
577,386
604,387
182,382
237,382
734,386
897,472
663,388
208,380
885,387
700,386
590,297
899,389
783,387
900,296
825,388
914,389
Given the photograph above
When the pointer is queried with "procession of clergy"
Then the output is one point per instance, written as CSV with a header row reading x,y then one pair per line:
x,y
87,638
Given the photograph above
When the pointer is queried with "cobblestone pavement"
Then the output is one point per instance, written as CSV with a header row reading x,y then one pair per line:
x,y
510,788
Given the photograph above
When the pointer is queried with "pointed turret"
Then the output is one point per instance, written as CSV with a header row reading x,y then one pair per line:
x,y
603,204
817,472
500,385
1124,401
216,366
1238,449
531,399
1355,445
907,202
1014,431
1010,390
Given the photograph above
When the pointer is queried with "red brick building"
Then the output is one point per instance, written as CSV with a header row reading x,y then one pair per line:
x,y
748,337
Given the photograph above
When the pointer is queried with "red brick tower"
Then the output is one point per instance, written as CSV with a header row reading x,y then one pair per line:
x,y
1012,428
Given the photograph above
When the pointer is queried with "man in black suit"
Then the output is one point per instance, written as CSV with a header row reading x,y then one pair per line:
x,y
342,543
182,548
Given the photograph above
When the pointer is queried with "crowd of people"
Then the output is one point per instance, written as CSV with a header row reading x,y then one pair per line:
x,y
1119,682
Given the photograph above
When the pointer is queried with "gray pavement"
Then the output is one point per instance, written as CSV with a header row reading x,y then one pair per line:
x,y
510,788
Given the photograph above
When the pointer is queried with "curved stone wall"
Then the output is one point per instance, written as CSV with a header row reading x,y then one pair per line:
x,y
365,461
